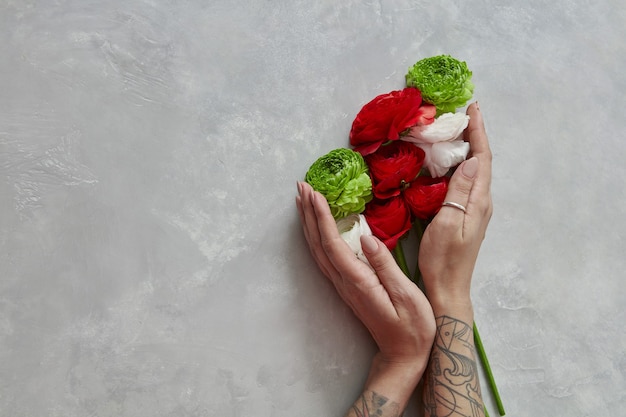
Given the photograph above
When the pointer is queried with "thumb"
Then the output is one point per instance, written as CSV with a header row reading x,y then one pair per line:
x,y
461,185
382,261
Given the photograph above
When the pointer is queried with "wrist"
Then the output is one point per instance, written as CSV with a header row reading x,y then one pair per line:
x,y
457,306
395,380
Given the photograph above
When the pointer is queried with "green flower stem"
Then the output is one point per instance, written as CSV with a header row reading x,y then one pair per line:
x,y
398,252
480,349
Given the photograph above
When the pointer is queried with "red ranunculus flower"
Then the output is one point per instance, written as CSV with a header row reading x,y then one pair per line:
x,y
425,196
427,114
386,116
393,166
389,219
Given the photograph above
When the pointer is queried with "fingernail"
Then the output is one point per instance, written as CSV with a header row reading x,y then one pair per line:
x,y
470,167
299,185
368,243
477,106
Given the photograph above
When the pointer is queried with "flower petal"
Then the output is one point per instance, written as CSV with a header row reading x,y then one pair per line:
x,y
445,155
392,166
425,196
448,126
351,228
384,118
389,219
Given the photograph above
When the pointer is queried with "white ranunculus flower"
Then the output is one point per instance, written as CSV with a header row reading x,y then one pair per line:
x,y
351,228
446,127
442,156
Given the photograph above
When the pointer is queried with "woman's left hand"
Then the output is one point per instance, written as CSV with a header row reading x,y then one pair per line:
x,y
394,309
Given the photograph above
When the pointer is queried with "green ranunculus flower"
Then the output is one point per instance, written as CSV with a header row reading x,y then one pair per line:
x,y
443,80
341,176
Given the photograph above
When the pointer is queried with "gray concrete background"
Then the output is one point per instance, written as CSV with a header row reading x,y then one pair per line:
x,y
151,259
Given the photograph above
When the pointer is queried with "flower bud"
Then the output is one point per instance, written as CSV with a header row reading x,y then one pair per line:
x,y
351,228
341,176
443,80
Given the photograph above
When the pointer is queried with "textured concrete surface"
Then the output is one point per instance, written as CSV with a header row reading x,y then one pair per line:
x,y
151,259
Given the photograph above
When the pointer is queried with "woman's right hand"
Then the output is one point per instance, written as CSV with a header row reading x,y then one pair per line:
x,y
451,242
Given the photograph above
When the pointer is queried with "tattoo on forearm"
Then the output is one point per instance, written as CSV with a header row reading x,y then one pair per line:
x,y
371,404
451,387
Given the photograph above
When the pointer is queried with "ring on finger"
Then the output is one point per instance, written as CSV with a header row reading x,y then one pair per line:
x,y
453,204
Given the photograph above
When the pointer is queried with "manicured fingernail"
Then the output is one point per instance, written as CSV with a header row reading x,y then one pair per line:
x,y
299,185
470,167
368,243
477,106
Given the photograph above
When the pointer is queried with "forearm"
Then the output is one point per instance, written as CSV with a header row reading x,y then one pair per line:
x,y
451,385
387,389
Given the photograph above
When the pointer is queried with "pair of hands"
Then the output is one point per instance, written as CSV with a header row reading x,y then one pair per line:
x,y
397,314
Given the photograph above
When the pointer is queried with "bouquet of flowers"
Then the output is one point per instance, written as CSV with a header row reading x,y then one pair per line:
x,y
395,179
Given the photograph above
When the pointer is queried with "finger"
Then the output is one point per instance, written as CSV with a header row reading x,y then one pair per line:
x,y
311,231
479,144
306,212
306,235
386,267
301,213
459,189
336,249
299,202
480,199
475,133
300,207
